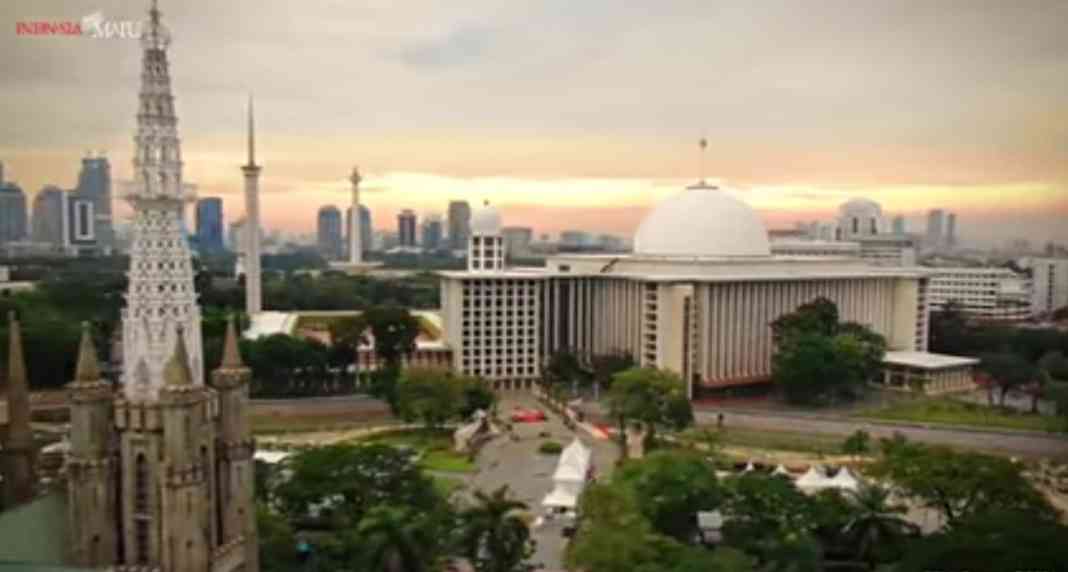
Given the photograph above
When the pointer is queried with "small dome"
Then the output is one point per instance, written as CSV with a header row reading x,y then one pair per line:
x,y
486,221
861,206
702,221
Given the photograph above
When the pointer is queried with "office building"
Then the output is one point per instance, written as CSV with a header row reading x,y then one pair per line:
x,y
13,219
899,226
936,231
367,233
987,294
209,222
517,240
329,235
459,224
406,223
951,230
94,187
859,231
697,296
1049,283
432,233
49,217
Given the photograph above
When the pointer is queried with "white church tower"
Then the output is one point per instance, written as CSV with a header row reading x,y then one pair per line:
x,y
160,301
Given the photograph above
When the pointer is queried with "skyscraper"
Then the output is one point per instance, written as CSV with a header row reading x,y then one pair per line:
x,y
329,232
12,213
49,216
935,228
951,230
159,476
432,233
406,222
459,224
94,186
366,229
209,215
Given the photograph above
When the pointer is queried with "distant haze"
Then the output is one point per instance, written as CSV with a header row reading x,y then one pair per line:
x,y
574,114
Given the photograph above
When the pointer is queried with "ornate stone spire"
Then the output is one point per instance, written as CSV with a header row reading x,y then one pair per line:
x,y
160,300
16,457
177,373
88,370
231,354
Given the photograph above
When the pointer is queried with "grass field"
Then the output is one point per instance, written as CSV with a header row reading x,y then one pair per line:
x,y
951,412
434,446
782,441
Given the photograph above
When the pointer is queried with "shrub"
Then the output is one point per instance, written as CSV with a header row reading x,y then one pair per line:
x,y
550,448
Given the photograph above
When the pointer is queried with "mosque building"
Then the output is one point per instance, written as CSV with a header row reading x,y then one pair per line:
x,y
697,296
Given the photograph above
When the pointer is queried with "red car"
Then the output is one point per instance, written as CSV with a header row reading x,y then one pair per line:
x,y
520,415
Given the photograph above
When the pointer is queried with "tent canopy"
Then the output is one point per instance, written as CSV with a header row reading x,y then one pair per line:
x,y
844,480
574,463
813,479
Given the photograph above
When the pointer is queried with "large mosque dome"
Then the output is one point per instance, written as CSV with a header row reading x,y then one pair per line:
x,y
702,221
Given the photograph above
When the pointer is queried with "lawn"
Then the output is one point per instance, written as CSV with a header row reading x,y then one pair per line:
x,y
435,447
952,412
782,441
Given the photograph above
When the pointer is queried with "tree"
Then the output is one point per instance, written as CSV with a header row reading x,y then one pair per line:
x,y
336,485
563,369
394,331
1052,366
650,397
949,329
877,530
991,541
346,337
819,316
1008,371
429,395
613,536
603,367
761,512
277,543
475,394
670,487
857,444
958,483
494,535
398,540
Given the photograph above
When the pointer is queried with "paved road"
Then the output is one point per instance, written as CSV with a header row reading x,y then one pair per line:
x,y
529,473
1015,443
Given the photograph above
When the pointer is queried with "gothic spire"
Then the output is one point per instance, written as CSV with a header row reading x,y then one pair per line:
x,y
231,355
176,373
88,369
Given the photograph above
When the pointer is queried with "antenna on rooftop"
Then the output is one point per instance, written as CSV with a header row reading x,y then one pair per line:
x,y
703,143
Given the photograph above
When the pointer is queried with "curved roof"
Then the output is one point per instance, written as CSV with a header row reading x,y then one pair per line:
x,y
486,221
862,206
702,221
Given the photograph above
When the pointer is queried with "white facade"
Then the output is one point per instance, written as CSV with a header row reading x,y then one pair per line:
x,y
1049,280
860,218
996,294
704,311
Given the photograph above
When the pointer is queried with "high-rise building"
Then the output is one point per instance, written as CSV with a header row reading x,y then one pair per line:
x,y
1049,277
94,186
13,223
517,240
459,224
49,216
209,220
432,233
899,225
367,233
160,472
329,232
951,230
936,231
406,223
575,239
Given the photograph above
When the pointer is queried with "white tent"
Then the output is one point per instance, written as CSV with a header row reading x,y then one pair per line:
x,y
813,480
749,467
844,480
780,470
271,457
570,476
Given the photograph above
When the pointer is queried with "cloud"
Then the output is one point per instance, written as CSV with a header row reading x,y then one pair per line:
x,y
461,46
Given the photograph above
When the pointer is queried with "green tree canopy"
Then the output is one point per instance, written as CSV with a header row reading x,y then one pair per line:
x,y
670,488
494,535
653,398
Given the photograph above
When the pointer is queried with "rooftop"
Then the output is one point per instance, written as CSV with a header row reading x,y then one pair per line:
x,y
924,360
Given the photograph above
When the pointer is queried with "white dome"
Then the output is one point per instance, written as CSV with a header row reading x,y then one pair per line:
x,y
486,221
860,207
702,221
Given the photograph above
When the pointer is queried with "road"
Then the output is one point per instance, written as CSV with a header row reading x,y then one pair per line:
x,y
1008,442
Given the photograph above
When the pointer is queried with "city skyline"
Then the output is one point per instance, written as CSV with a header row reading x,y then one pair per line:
x,y
565,130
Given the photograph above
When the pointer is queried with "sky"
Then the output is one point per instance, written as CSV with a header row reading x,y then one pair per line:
x,y
570,114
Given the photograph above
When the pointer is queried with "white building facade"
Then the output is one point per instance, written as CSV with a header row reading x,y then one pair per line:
x,y
990,294
1049,284
697,297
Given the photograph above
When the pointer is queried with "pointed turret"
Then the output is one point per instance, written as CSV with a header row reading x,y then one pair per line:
x,y
88,369
231,354
17,453
177,373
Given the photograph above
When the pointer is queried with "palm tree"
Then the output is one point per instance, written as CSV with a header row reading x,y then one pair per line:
x,y
395,540
494,536
875,524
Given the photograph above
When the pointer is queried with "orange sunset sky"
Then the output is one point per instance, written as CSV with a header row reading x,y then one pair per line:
x,y
574,115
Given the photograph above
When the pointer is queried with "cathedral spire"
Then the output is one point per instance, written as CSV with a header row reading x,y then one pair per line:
x,y
88,369
231,354
176,373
